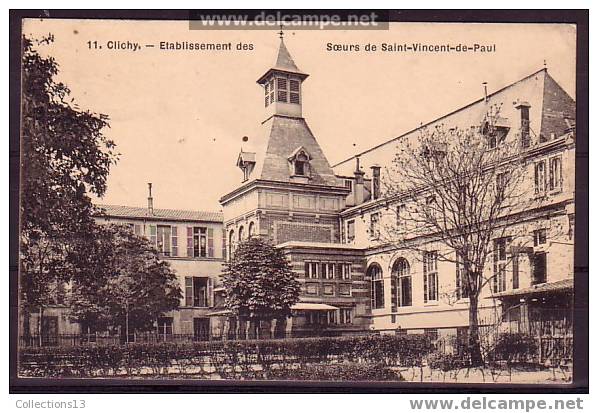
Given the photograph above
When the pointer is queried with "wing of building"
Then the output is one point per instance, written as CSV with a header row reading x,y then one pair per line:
x,y
327,217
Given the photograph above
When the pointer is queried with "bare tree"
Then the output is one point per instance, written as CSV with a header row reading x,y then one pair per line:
x,y
461,187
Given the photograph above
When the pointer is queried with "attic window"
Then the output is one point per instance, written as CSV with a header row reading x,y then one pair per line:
x,y
301,164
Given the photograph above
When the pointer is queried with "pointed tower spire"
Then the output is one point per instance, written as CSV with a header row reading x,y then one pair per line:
x,y
282,84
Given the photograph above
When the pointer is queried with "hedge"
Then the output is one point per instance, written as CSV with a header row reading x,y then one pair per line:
x,y
251,359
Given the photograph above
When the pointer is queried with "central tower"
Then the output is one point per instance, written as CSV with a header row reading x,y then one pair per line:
x,y
282,85
288,191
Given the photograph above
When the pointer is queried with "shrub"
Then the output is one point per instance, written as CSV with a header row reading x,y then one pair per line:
x,y
514,348
229,359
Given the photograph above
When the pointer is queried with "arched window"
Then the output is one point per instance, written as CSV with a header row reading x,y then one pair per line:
x,y
241,234
251,231
401,284
231,244
375,274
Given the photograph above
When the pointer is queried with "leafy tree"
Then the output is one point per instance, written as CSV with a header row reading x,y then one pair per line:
x,y
260,284
459,187
130,286
64,157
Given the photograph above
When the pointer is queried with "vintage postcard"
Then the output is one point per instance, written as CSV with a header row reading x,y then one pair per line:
x,y
279,196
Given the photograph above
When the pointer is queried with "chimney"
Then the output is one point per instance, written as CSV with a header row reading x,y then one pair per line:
x,y
375,181
358,187
150,200
485,91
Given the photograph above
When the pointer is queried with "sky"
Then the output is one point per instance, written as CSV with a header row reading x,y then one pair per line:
x,y
178,117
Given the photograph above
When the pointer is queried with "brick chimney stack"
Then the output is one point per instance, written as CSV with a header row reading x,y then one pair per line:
x,y
358,188
375,181
150,200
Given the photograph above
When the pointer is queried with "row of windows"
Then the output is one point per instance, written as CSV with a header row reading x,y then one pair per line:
x,y
345,316
342,290
553,181
503,256
200,240
328,270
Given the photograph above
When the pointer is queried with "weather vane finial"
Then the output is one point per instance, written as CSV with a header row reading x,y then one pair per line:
x,y
281,33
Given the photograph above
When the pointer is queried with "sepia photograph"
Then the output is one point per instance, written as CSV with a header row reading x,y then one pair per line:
x,y
298,197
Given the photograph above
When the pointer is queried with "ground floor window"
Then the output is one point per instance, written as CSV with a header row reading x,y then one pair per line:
x,y
164,328
377,292
201,328
345,316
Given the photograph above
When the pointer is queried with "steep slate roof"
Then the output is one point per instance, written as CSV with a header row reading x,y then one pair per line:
x,y
121,211
549,104
284,63
281,137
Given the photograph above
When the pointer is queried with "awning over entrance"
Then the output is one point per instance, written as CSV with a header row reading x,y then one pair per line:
x,y
545,288
313,306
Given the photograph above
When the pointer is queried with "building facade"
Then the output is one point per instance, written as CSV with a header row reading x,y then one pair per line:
x,y
328,218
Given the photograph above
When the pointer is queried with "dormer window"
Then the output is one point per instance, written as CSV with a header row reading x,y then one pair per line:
x,y
246,162
299,163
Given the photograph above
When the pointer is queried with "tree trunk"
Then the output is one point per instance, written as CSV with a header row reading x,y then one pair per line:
x,y
26,327
475,350
280,327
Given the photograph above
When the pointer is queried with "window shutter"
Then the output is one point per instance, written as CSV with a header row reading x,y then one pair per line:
x,y
210,242
189,241
153,237
210,292
458,279
175,242
188,291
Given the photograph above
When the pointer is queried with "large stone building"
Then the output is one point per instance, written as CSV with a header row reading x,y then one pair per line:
x,y
327,219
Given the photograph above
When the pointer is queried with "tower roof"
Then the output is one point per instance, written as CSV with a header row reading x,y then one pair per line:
x,y
284,63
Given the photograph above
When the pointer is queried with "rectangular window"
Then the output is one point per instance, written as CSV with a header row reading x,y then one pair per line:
x,y
164,328
153,238
539,237
345,316
311,288
555,174
200,242
164,239
539,268
349,184
499,281
137,229
328,270
540,177
374,225
344,290
311,270
343,271
430,276
196,291
328,289
350,231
